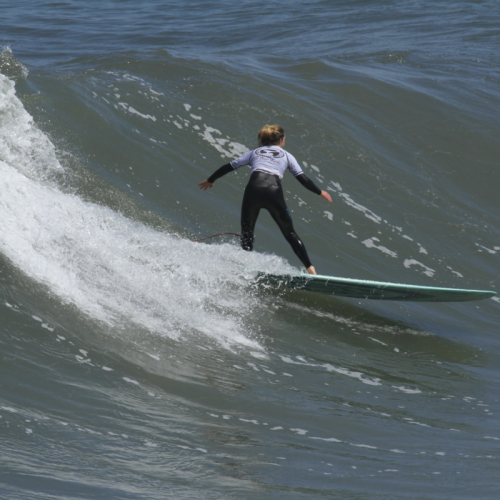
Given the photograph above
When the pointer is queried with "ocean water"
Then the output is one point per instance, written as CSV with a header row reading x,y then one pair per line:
x,y
139,364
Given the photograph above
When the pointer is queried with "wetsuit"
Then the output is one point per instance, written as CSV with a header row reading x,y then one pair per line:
x,y
268,165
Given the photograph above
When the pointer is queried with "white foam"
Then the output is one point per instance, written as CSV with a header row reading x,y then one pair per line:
x,y
330,440
22,145
331,368
258,355
115,270
357,375
367,446
10,65
234,149
300,432
376,340
8,408
366,211
456,273
269,371
130,381
255,422
83,360
489,250
130,109
370,243
412,262
408,391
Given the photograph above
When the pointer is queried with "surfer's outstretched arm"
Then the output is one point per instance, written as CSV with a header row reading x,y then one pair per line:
x,y
209,183
309,184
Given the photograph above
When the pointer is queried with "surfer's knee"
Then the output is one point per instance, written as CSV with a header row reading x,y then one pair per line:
x,y
293,238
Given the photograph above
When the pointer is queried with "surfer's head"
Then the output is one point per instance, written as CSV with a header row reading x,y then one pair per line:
x,y
271,135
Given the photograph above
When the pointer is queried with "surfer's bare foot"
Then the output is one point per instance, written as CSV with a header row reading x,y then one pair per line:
x,y
311,270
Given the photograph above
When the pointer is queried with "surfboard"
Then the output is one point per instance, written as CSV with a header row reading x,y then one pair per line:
x,y
377,290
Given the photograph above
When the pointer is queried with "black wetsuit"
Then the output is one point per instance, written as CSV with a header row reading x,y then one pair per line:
x,y
264,190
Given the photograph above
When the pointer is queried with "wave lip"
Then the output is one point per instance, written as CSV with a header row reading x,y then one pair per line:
x,y
10,66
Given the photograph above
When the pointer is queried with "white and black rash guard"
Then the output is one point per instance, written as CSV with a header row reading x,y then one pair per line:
x,y
269,159
272,160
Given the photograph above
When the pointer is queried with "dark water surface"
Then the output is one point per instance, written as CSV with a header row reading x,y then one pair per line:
x,y
137,364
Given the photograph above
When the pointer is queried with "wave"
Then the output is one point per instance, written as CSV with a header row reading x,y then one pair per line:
x,y
116,270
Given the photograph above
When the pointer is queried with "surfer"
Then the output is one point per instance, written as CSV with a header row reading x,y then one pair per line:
x,y
268,163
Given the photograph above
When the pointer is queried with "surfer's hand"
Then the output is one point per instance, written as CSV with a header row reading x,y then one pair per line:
x,y
326,196
205,185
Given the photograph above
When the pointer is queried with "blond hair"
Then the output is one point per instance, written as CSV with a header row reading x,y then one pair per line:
x,y
269,135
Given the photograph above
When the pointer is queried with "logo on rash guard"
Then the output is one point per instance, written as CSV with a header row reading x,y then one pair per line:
x,y
272,154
